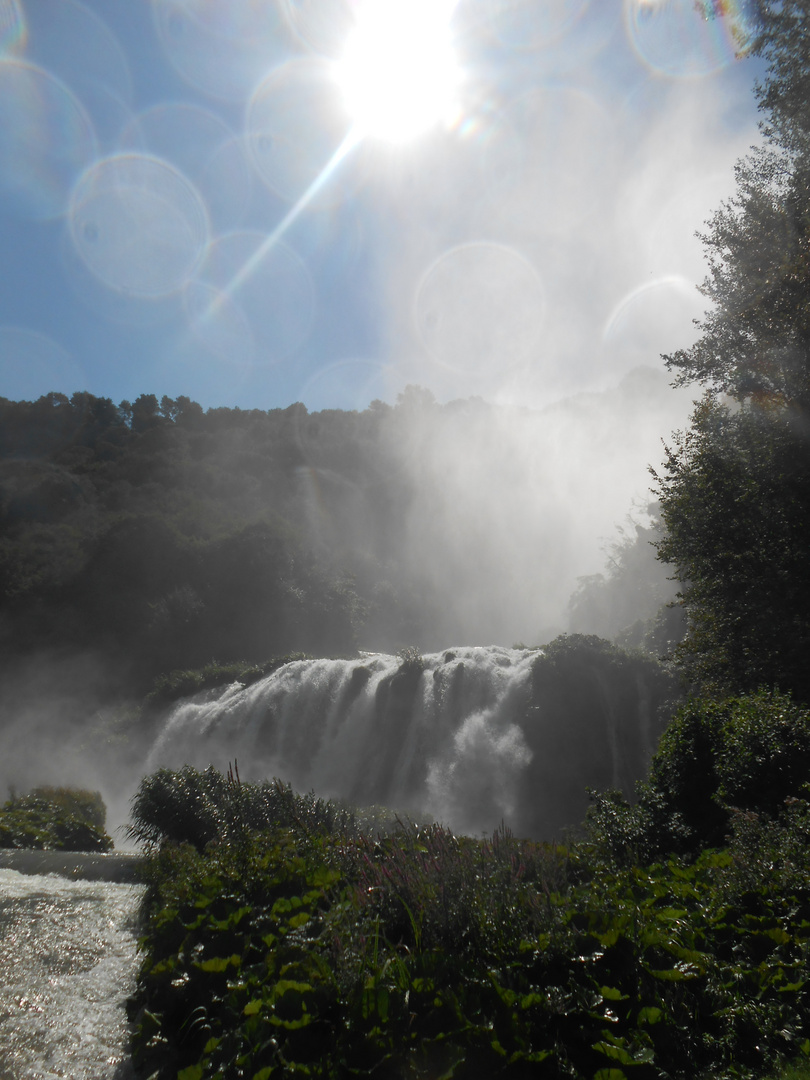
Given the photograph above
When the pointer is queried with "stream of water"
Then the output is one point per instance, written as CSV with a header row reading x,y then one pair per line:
x,y
67,964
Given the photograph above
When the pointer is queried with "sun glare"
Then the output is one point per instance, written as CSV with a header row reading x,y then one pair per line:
x,y
398,73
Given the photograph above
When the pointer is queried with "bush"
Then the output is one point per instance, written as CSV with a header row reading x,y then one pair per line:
x,y
200,808
421,954
748,753
69,819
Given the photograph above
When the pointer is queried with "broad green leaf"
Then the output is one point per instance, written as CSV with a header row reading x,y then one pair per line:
x,y
193,1072
375,1001
220,963
285,985
650,1014
615,1053
780,936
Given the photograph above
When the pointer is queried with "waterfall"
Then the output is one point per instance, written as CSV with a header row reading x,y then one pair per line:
x,y
458,736
68,963
438,735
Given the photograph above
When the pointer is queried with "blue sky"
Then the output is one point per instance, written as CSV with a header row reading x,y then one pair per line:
x,y
180,211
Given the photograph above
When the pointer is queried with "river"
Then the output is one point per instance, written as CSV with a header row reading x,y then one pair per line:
x,y
68,962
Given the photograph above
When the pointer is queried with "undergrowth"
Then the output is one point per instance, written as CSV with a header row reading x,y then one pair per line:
x,y
308,946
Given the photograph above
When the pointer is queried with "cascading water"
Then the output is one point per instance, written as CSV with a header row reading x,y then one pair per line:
x,y
439,734
67,964
458,736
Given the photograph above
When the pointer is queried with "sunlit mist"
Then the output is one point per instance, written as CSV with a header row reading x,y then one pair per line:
x,y
398,73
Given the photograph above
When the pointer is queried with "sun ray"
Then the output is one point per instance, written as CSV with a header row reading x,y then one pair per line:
x,y
398,76
295,211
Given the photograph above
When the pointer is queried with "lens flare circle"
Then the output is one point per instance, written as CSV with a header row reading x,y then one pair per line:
x,y
276,300
221,48
675,38
12,27
398,73
655,315
139,225
73,44
202,146
480,308
295,129
46,140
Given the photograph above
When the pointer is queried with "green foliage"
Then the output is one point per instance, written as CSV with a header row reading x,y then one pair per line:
x,y
598,708
753,340
736,503
200,808
795,1071
70,819
735,494
715,759
632,602
309,952
411,657
162,511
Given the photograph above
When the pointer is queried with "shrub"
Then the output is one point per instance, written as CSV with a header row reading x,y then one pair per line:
x,y
199,808
69,819
746,753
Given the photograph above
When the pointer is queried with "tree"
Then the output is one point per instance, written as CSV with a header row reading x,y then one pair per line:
x,y
755,338
631,603
735,491
736,504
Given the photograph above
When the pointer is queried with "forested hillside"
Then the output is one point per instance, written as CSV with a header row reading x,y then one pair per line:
x,y
162,536
155,536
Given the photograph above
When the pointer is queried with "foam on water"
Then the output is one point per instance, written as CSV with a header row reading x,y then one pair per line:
x,y
67,964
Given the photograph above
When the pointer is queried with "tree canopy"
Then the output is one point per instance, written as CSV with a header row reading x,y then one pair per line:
x,y
735,489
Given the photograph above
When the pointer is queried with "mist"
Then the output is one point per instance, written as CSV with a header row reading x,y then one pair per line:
x,y
66,721
458,525
510,506
428,370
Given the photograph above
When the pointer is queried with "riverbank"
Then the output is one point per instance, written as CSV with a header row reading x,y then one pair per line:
x,y
119,867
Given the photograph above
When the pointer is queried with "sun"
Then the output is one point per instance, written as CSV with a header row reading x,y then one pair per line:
x,y
398,73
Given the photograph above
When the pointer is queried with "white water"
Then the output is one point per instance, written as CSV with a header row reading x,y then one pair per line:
x,y
447,743
67,964
463,740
